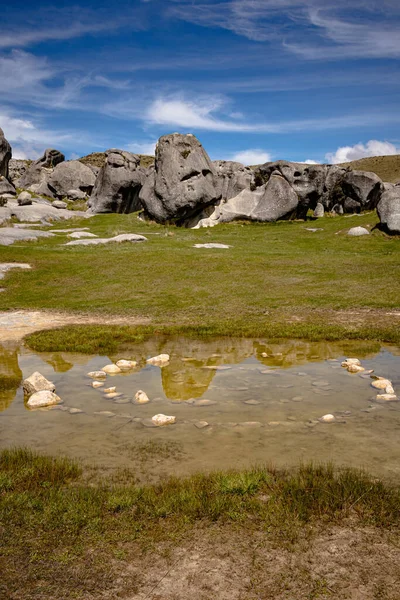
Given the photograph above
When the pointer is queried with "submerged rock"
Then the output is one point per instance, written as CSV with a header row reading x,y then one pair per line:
x,y
125,365
97,374
111,369
141,397
381,384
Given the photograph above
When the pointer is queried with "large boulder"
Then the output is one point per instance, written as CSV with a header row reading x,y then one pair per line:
x,y
234,178
36,177
183,182
279,201
118,184
6,188
388,210
362,187
5,154
71,175
17,168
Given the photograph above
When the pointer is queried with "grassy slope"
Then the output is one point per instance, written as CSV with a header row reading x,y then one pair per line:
x,y
386,167
64,537
274,275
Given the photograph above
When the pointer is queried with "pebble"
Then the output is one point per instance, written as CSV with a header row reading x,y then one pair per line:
x,y
141,397
126,364
97,384
159,360
75,411
97,374
110,390
201,424
327,419
381,384
160,420
111,369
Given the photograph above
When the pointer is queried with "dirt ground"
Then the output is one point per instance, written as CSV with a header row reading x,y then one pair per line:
x,y
225,563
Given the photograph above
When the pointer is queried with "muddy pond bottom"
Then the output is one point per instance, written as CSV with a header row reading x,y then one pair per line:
x,y
237,403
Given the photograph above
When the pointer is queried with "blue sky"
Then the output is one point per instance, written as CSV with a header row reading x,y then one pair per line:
x,y
254,80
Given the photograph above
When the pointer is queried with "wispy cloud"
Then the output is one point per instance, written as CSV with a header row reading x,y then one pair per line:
x,y
17,38
371,148
148,148
253,156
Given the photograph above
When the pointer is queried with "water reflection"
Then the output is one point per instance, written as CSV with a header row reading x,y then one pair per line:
x,y
10,374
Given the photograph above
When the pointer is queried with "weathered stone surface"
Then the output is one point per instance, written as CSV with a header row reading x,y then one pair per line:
x,y
118,184
37,383
59,204
328,419
319,211
5,154
6,187
111,369
126,365
5,267
279,201
37,175
362,187
10,235
234,178
42,212
77,235
16,168
183,182
388,210
124,237
212,245
357,231
42,399
97,374
76,195
141,397
69,175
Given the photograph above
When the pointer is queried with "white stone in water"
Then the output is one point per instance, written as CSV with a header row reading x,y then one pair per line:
x,y
387,397
381,384
111,369
42,399
110,390
351,361
126,364
161,419
97,384
112,395
97,374
159,360
327,418
201,424
389,389
37,383
75,411
355,368
141,397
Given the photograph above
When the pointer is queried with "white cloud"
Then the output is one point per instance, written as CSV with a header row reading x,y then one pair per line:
x,y
371,148
253,156
148,148
310,161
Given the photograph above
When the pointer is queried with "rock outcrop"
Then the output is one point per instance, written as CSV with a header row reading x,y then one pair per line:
x,y
388,210
184,180
118,184
71,175
5,154
36,177
234,178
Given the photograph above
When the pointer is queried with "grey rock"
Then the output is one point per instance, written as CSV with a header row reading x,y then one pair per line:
x,y
5,267
36,177
24,199
16,168
280,201
241,207
362,187
388,210
40,213
6,188
183,182
212,245
10,235
5,214
37,383
59,204
357,231
234,178
69,175
319,211
5,154
125,237
76,195
78,235
118,184
338,209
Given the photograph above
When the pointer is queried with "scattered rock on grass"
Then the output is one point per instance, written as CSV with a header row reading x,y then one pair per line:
x,y
221,246
357,231
124,237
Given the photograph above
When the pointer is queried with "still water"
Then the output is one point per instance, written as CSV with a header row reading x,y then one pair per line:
x,y
261,401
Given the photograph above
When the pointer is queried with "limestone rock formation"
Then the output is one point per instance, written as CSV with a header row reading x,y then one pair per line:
x,y
5,154
16,168
71,175
118,184
234,178
388,210
363,188
183,182
36,177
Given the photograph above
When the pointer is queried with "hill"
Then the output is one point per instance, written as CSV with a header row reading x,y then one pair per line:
x,y
386,167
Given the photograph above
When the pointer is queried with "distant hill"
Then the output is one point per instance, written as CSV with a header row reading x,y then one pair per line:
x,y
386,167
96,159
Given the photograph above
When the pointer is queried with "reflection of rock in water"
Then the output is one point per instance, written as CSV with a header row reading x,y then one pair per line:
x,y
63,362
10,375
289,353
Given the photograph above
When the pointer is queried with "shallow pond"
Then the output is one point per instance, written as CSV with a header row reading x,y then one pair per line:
x,y
261,400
